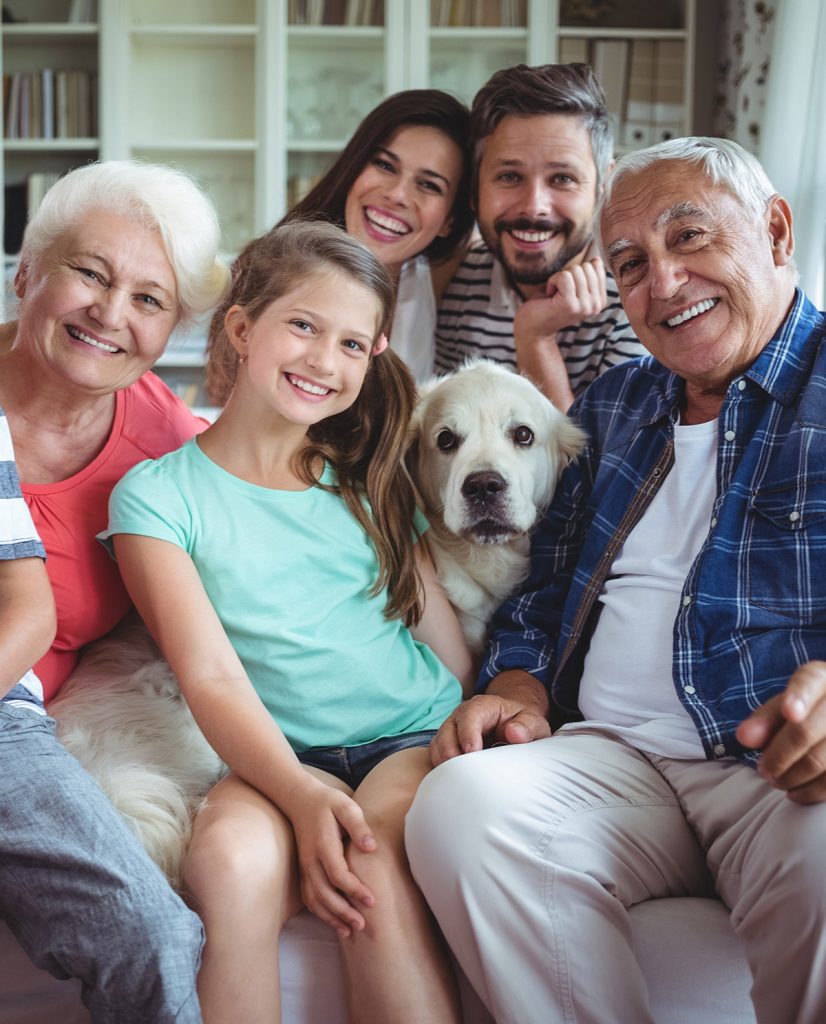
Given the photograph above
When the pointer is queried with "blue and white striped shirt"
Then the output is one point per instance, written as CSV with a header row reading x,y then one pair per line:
x,y
753,605
18,539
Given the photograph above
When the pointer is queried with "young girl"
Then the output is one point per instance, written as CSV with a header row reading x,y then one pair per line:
x,y
274,559
402,187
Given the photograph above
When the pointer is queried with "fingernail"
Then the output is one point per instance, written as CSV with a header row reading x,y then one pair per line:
x,y
797,707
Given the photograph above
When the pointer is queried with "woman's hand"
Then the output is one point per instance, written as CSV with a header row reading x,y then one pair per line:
x,y
323,820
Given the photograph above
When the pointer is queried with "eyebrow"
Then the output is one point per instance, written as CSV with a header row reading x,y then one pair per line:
x,y
150,285
617,248
312,314
557,165
421,170
678,212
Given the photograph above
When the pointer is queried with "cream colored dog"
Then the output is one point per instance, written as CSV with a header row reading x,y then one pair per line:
x,y
486,452
122,715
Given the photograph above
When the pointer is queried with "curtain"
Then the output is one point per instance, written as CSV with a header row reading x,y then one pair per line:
x,y
792,145
771,98
746,37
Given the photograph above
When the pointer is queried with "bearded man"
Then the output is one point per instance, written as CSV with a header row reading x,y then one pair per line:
x,y
533,294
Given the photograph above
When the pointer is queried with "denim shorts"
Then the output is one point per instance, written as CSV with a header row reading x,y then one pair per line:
x,y
353,764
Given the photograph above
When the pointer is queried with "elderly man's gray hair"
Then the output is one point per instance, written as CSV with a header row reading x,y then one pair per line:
x,y
726,163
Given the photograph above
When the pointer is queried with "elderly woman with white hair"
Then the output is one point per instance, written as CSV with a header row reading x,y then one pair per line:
x,y
116,257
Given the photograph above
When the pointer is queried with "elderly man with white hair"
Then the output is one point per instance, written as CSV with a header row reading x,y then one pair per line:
x,y
671,635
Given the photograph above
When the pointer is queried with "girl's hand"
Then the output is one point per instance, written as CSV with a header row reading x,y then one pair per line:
x,y
322,820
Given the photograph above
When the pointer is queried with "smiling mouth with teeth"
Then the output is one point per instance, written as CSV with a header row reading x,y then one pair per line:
x,y
87,339
533,237
305,385
693,311
388,224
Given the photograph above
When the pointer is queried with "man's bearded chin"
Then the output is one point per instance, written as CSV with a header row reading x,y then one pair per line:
x,y
536,267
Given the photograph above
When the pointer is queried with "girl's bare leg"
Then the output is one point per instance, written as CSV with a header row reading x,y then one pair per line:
x,y
241,877
397,969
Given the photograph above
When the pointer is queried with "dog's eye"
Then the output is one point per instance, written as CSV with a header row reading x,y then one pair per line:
x,y
446,440
523,436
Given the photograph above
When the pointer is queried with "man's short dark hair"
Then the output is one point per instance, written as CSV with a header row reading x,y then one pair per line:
x,y
547,89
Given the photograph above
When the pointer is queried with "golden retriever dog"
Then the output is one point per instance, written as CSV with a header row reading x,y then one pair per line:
x,y
486,452
122,715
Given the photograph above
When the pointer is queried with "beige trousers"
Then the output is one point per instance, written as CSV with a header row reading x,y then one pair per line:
x,y
530,856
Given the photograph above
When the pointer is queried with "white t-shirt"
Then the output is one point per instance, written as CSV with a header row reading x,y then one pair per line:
x,y
413,335
627,682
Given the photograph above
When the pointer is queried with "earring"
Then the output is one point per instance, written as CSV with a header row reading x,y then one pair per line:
x,y
241,360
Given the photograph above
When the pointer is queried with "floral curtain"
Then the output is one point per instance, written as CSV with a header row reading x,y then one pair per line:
x,y
747,34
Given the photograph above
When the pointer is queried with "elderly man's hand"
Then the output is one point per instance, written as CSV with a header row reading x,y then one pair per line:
x,y
514,710
790,729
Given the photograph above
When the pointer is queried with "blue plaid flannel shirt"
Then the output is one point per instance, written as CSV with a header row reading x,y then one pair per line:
x,y
753,604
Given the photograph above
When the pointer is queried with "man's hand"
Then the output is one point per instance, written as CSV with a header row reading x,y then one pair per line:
x,y
514,710
570,296
790,729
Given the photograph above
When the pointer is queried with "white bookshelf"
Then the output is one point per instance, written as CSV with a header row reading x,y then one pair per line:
x,y
256,106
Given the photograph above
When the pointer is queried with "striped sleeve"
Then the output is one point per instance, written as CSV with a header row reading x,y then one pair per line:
x,y
18,537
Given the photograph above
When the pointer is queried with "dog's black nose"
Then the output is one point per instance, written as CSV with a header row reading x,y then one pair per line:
x,y
483,486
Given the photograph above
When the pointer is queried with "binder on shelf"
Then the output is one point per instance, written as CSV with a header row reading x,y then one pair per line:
x,y
637,131
610,64
668,91
574,50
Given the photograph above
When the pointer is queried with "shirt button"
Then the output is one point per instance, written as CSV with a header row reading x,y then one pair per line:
x,y
729,435
686,601
719,750
689,689
794,516
741,385
714,521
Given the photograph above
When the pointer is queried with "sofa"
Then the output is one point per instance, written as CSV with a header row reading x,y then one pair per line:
x,y
688,951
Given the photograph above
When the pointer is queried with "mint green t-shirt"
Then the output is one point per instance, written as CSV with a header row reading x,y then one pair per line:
x,y
288,573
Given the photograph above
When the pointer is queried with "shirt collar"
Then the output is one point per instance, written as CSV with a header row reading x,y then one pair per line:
x,y
784,364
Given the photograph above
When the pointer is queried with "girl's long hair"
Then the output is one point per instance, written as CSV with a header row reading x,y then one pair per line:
x,y
364,444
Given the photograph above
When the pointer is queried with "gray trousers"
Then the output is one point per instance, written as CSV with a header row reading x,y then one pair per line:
x,y
530,856
78,891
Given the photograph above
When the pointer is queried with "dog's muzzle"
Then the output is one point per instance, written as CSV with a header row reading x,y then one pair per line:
x,y
484,494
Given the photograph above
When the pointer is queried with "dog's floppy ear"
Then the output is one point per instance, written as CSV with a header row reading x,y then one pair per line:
x,y
567,438
411,453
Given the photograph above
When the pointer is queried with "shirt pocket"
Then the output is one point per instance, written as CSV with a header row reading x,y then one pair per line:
x,y
786,561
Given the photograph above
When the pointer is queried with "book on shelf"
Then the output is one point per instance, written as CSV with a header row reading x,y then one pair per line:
x,y
49,104
610,63
21,200
81,11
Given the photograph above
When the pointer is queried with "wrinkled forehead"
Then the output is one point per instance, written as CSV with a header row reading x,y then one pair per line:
x,y
650,200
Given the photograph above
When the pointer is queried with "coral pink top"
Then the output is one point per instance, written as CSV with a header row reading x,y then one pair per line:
x,y
89,594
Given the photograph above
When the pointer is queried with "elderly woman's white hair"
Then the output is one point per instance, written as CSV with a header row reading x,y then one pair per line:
x,y
726,163
152,195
